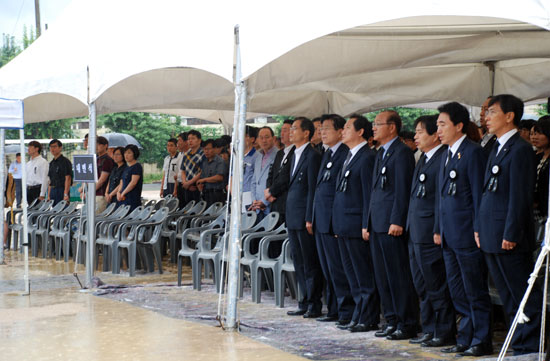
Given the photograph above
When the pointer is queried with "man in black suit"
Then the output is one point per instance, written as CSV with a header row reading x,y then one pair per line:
x,y
426,258
488,139
350,220
391,187
459,192
279,174
340,304
304,167
506,234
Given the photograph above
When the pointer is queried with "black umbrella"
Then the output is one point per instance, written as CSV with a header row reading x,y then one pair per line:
x,y
121,140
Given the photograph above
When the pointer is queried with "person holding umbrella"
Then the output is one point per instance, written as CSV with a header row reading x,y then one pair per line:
x,y
116,175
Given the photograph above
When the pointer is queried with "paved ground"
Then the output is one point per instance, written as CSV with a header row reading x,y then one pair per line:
x,y
158,294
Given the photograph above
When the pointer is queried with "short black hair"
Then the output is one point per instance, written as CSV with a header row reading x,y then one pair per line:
x,y
119,149
429,122
173,141
270,130
457,113
509,103
318,119
543,126
219,143
338,121
86,136
252,132
194,132
56,141
18,154
36,144
405,134
102,140
288,121
209,142
361,122
526,124
183,136
134,150
306,124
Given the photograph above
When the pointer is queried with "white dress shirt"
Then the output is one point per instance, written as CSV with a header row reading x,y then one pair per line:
x,y
505,137
430,154
354,151
297,154
37,173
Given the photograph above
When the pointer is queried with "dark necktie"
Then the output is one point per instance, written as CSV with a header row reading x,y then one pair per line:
x,y
422,161
348,158
449,156
496,147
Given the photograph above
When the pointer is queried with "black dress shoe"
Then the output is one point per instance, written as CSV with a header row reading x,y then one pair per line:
x,y
388,330
422,338
327,319
400,335
342,322
478,350
438,342
296,313
455,349
362,327
309,314
348,326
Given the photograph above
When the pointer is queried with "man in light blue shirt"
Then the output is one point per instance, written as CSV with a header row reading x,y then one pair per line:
x,y
16,172
264,158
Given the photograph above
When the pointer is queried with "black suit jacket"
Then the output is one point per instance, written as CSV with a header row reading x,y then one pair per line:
x,y
421,218
351,206
458,214
301,189
507,213
325,188
278,178
389,205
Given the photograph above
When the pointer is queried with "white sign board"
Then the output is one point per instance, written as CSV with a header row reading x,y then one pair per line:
x,y
11,113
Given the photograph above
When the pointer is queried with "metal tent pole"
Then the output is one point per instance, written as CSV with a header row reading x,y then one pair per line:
x,y
25,211
236,187
90,203
3,176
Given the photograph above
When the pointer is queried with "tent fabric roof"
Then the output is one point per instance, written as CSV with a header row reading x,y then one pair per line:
x,y
174,55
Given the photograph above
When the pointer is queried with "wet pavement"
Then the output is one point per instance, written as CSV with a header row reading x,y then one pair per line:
x,y
148,317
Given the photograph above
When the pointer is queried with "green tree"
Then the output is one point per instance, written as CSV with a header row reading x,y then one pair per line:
x,y
542,109
9,49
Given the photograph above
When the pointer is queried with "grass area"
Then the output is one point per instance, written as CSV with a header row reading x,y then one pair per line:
x,y
152,178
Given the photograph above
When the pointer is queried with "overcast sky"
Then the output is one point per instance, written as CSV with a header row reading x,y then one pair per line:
x,y
14,14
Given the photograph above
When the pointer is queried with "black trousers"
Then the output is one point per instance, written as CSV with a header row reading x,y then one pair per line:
x,y
339,300
33,193
169,189
57,194
191,196
308,269
181,196
359,271
428,272
390,257
213,196
510,271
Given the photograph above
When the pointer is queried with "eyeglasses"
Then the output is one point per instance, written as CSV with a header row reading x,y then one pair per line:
x,y
293,128
380,124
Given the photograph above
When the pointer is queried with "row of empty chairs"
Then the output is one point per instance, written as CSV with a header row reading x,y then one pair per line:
x,y
195,233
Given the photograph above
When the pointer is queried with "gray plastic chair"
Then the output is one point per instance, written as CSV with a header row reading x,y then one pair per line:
x,y
137,233
114,231
213,255
149,247
15,228
267,263
34,224
251,255
286,275
181,224
190,239
42,234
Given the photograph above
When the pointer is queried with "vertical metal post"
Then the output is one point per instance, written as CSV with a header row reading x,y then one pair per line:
x,y
37,17
3,177
236,194
90,203
25,205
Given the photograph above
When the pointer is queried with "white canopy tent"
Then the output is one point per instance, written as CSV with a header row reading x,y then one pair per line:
x,y
321,58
